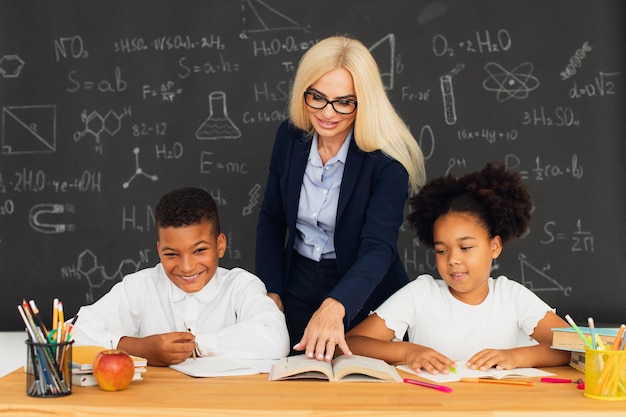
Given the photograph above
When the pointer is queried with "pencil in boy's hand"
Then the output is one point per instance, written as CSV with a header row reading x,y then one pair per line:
x,y
194,354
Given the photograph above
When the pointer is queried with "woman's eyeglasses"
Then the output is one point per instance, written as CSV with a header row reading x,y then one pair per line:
x,y
318,102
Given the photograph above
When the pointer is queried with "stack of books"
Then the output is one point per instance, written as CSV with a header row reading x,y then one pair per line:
x,y
566,338
82,365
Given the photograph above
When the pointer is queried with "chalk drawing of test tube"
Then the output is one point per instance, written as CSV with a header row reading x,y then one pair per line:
x,y
449,110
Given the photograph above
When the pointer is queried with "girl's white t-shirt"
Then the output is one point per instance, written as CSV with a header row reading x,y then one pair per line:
x,y
426,309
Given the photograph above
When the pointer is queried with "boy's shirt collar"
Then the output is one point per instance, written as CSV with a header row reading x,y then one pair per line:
x,y
205,295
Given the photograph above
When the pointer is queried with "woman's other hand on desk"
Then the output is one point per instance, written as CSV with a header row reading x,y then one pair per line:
x,y
325,332
160,349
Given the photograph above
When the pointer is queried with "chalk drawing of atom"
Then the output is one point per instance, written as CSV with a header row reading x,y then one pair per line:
x,y
517,83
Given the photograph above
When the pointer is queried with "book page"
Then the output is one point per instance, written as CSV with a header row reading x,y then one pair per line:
x,y
362,368
462,371
300,367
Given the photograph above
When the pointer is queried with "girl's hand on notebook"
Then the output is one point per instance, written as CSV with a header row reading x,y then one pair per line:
x,y
421,357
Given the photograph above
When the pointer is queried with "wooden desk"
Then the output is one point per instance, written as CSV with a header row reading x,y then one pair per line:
x,y
165,392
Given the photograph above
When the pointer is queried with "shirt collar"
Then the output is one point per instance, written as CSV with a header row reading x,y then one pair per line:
x,y
314,155
205,295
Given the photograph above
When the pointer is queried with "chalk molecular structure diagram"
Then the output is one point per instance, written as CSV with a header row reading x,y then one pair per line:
x,y
138,171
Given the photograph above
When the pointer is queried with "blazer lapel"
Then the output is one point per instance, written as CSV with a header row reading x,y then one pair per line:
x,y
300,157
351,171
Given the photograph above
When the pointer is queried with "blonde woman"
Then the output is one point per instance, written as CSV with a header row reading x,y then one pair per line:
x,y
340,173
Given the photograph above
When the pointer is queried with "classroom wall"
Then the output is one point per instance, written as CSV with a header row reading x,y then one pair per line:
x,y
106,105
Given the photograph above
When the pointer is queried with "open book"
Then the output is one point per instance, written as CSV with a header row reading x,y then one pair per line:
x,y
462,371
342,369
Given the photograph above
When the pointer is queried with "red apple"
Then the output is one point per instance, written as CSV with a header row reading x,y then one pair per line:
x,y
113,369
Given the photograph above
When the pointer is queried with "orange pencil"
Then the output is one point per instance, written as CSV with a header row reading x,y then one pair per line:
x,y
618,338
497,381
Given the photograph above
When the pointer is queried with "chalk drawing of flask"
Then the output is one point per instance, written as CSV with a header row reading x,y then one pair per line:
x,y
218,125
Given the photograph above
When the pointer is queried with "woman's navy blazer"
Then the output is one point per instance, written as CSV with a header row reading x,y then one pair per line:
x,y
370,212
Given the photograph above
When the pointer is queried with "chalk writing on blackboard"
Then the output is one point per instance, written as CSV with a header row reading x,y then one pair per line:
x,y
581,240
115,85
482,43
543,171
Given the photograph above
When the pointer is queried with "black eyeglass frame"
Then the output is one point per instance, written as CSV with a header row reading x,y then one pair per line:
x,y
331,102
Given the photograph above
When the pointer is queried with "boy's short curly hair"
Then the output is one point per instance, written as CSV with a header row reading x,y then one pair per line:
x,y
498,197
185,207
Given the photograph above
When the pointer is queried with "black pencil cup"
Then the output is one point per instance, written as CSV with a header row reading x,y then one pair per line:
x,y
48,369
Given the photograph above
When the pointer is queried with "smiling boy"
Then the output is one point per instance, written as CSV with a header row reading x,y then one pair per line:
x,y
187,302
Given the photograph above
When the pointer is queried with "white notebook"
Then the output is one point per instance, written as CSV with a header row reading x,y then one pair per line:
x,y
215,366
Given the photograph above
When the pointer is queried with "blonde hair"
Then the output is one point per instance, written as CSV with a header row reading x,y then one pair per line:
x,y
377,125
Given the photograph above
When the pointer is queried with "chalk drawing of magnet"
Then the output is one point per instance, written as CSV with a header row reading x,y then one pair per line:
x,y
50,209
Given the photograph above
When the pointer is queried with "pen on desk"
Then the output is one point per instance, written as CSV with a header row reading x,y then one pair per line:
x,y
497,381
577,330
441,388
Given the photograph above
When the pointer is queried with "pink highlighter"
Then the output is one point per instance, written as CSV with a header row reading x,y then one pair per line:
x,y
580,384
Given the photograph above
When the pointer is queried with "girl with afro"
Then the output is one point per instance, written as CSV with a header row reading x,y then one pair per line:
x,y
467,315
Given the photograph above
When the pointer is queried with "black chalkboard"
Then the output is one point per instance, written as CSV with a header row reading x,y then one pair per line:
x,y
106,105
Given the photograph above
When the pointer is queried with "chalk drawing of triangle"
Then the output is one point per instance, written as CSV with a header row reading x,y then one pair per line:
x,y
261,17
28,129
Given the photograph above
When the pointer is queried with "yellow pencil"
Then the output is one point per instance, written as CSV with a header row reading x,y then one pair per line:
x,y
55,313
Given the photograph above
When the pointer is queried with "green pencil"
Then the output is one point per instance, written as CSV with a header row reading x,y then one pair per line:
x,y
582,336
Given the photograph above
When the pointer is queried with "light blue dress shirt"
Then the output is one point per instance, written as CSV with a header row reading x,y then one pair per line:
x,y
319,196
